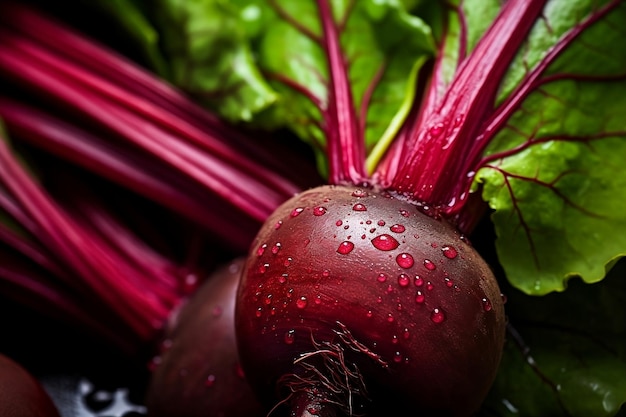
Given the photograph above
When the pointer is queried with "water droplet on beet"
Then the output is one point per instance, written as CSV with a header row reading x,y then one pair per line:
x,y
289,337
390,318
394,339
319,211
487,304
379,299
449,252
209,381
369,314
338,223
405,260
437,315
420,297
318,299
261,249
258,312
404,280
288,261
449,282
389,289
296,212
385,242
405,333
301,302
404,213
429,265
419,281
283,278
397,228
359,193
381,277
268,299
381,223
397,357
458,120
276,248
429,286
359,207
326,273
436,130
345,247
263,268
278,224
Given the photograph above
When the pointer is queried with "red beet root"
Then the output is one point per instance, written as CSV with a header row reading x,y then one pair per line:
x,y
198,374
353,302
21,394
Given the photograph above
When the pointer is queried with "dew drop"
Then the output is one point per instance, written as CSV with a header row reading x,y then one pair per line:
x,y
403,280
296,212
345,247
389,289
404,213
346,227
405,333
268,299
338,223
436,130
359,207
369,314
405,260
301,302
458,120
399,307
385,242
381,277
278,224
390,318
381,223
420,297
504,298
363,237
283,278
449,282
289,337
397,357
326,273
419,281
487,304
449,252
394,339
437,315
261,249
276,248
209,381
288,261
359,193
263,268
319,211
429,286
397,228
379,299
318,299
429,265
258,312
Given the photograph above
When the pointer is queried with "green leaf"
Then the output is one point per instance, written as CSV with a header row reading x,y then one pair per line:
x,y
575,363
555,174
210,58
383,48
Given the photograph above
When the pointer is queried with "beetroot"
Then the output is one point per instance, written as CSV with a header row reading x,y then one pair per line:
x,y
21,394
198,373
354,301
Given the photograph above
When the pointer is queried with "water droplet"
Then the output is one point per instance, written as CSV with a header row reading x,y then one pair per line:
x,y
338,223
345,247
429,265
405,260
379,299
276,248
319,211
394,339
263,268
449,252
381,223
283,278
397,357
419,281
296,212
397,228
359,193
326,273
390,318
504,298
458,120
487,304
301,302
399,307
289,337
449,282
389,289
429,286
385,242
363,236
436,130
369,314
437,315
261,249
258,312
381,277
288,261
359,207
372,230
404,213
318,299
420,297
209,381
405,333
346,227
278,224
403,280
268,299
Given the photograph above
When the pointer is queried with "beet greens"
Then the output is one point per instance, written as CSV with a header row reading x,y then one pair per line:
x,y
464,108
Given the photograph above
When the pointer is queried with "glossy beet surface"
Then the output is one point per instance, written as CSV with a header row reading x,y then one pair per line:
x,y
21,395
198,373
359,298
